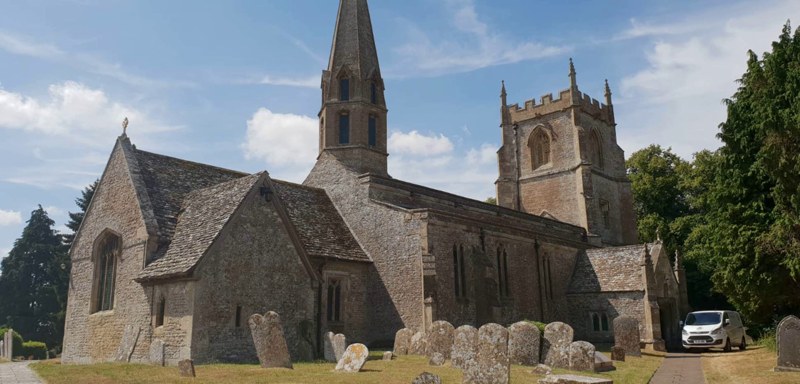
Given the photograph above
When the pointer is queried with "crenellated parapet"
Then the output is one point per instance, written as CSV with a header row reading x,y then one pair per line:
x,y
547,105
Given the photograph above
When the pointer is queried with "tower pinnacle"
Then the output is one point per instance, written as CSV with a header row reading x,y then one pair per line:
x,y
608,94
573,79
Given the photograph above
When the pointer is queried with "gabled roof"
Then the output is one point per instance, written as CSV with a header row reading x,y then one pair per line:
x,y
319,226
612,269
205,212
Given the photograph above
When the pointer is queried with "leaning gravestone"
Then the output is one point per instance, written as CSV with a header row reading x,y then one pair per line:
x,y
555,346
440,339
186,368
419,344
157,352
617,353
126,346
602,363
402,341
490,365
465,343
788,337
354,358
268,338
523,343
427,378
581,356
626,335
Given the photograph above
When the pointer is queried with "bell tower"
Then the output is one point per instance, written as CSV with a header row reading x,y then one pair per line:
x,y
352,120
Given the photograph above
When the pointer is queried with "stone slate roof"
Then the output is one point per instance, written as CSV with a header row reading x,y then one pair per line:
x,y
204,214
318,224
612,269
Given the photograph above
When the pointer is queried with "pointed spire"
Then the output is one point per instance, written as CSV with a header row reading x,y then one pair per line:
x,y
353,44
608,94
573,79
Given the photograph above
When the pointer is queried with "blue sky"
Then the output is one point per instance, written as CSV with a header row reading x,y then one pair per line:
x,y
236,83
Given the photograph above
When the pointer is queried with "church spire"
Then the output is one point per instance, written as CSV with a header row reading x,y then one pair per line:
x,y
353,113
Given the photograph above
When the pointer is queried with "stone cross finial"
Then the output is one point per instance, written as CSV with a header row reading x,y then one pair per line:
x,y
125,126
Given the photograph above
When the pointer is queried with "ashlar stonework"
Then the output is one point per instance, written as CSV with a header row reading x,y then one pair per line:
x,y
270,343
555,344
524,341
788,338
626,335
353,359
491,364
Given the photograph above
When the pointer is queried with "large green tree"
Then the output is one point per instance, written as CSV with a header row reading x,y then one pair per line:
x,y
76,218
34,282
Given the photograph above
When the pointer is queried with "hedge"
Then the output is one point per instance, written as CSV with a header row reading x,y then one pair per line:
x,y
37,349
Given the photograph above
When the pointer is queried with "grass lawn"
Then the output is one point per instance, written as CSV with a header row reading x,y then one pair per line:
x,y
753,366
402,370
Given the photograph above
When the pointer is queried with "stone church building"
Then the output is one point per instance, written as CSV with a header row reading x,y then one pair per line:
x,y
185,252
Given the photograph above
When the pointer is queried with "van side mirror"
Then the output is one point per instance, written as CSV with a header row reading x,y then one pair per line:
x,y
727,321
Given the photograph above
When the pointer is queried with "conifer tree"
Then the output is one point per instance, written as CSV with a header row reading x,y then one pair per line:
x,y
75,218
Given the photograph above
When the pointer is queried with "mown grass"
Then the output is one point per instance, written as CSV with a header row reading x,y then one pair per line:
x,y
753,366
401,370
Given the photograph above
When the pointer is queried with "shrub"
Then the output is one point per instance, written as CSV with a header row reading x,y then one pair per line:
x,y
37,349
17,341
767,340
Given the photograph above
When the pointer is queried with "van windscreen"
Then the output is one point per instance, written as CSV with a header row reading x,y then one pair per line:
x,y
707,318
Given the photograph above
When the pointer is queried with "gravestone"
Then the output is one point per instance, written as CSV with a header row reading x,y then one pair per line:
x,y
626,335
491,364
602,363
581,356
268,338
617,353
8,345
427,378
555,344
186,367
388,356
126,346
523,343
440,339
788,338
327,347
465,343
419,345
402,341
354,358
541,369
574,379
437,359
157,352
339,346
3,348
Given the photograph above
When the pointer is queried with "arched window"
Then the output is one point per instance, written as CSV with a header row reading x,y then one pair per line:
x,y
334,300
595,322
108,251
459,276
502,272
539,145
603,322
344,128
596,150
162,306
373,131
344,89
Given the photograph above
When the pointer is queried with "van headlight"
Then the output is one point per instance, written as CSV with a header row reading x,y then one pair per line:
x,y
717,331
684,332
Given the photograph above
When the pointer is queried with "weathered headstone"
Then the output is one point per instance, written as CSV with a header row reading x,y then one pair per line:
x,y
327,347
419,344
2,348
354,358
617,353
388,356
555,344
788,338
524,340
270,343
186,368
157,352
541,369
126,346
626,335
465,344
491,364
574,379
440,339
427,378
338,345
8,345
602,363
402,341
581,356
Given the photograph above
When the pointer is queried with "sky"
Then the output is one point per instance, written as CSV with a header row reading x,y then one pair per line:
x,y
236,83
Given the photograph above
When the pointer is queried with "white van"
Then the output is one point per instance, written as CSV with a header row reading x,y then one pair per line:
x,y
714,329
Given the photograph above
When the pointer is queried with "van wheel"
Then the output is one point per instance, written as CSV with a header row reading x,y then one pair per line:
x,y
727,345
743,345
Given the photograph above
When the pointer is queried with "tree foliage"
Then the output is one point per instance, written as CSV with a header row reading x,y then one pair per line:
x,y
34,282
76,218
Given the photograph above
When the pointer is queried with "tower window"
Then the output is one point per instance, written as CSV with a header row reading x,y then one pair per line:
x,y
344,89
373,131
459,276
596,150
373,93
105,273
344,128
334,300
539,145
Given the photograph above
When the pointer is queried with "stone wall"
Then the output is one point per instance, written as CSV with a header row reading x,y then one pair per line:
x,y
355,311
253,265
614,304
92,337
176,331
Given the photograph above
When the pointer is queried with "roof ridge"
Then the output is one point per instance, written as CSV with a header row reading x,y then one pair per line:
x,y
192,162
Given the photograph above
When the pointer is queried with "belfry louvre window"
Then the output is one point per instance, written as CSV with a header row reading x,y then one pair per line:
x,y
344,128
334,300
344,89
373,131
539,145
459,272
109,250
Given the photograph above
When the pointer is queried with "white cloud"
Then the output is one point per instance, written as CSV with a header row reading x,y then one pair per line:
x,y
308,82
476,47
10,217
692,65
25,47
414,143
284,141
53,211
